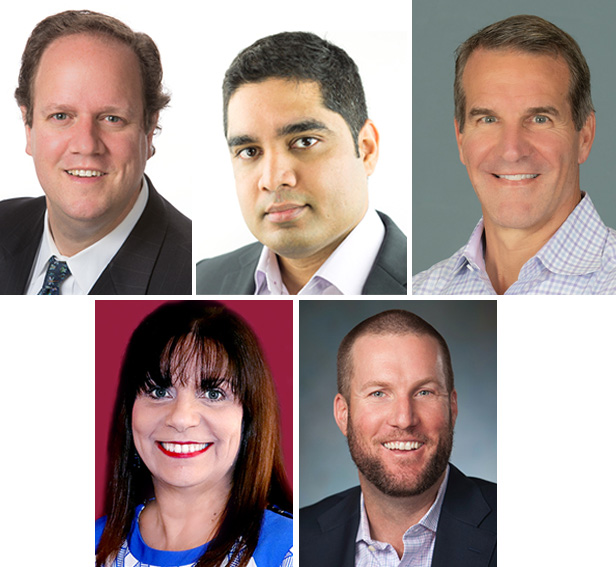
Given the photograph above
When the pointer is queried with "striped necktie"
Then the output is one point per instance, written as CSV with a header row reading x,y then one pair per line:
x,y
57,272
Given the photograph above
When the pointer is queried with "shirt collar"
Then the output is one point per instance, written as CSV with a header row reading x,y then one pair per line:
x,y
429,520
345,271
87,265
577,246
581,232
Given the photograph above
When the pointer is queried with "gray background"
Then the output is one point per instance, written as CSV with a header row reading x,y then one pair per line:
x,y
469,327
445,208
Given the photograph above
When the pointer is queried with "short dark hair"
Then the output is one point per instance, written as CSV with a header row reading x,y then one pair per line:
x,y
73,22
302,56
529,34
163,346
392,322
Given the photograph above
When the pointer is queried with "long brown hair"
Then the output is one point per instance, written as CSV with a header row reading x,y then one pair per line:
x,y
221,342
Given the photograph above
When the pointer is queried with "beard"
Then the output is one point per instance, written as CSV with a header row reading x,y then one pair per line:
x,y
406,483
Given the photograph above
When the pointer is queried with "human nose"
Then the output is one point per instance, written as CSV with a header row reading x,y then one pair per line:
x,y
85,137
277,172
403,414
514,143
183,414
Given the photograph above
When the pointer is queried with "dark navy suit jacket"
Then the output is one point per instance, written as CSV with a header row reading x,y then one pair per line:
x,y
465,536
155,259
234,273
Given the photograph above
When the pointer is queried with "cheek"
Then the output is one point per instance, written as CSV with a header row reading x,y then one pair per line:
x,y
143,421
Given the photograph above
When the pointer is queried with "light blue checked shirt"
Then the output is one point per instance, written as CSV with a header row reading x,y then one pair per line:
x,y
418,539
579,259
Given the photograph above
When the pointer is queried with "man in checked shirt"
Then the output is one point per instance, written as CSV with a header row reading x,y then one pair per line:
x,y
397,406
524,122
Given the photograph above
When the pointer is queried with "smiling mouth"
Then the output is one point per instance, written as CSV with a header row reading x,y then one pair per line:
x,y
183,450
517,176
403,445
84,173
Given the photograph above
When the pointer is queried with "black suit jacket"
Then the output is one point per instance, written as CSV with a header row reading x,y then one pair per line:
x,y
233,273
155,259
465,536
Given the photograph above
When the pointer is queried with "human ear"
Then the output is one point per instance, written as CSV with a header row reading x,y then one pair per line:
x,y
341,413
368,145
587,136
28,129
150,135
459,139
453,404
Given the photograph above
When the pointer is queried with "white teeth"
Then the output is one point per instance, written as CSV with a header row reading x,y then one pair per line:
x,y
402,445
519,176
183,447
85,173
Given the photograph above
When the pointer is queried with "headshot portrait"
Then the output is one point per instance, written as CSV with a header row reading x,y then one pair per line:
x,y
303,146
400,398
90,95
192,401
510,102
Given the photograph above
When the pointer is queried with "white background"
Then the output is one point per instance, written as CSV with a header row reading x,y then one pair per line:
x,y
197,43
557,382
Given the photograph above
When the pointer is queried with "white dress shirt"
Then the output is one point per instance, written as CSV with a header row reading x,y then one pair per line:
x,y
418,540
85,266
344,273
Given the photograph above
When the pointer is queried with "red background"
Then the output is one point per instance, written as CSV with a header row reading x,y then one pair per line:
x,y
271,320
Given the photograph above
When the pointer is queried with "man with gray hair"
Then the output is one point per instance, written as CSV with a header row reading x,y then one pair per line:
x,y
397,406
524,122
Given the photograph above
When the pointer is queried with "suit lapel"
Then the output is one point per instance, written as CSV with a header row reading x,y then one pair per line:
x,y
130,270
460,540
388,274
241,280
339,527
22,234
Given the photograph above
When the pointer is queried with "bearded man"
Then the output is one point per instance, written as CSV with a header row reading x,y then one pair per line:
x,y
397,406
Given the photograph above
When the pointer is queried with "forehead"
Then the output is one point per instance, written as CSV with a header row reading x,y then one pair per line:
x,y
515,76
258,109
88,67
403,359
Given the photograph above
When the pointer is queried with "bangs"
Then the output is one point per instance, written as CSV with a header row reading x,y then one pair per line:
x,y
190,359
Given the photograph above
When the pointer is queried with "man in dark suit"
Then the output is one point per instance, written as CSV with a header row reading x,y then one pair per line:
x,y
302,148
397,406
90,119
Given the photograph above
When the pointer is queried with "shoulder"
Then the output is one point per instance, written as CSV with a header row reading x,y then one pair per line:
x,y
471,497
606,279
235,258
17,210
241,263
342,504
436,279
99,526
388,275
178,224
275,539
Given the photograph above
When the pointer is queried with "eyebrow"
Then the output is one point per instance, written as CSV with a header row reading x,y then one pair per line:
x,y
551,110
286,130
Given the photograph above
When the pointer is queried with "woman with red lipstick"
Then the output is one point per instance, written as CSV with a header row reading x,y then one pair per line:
x,y
196,470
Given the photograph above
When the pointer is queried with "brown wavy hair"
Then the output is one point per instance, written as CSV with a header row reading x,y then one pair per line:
x,y
74,22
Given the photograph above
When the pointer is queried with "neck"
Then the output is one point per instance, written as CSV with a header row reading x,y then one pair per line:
x,y
508,249
296,272
391,516
180,519
71,236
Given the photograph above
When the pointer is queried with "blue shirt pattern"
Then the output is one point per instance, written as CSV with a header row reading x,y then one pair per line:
x,y
275,547
580,258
